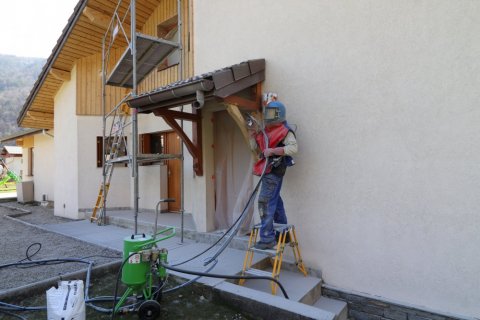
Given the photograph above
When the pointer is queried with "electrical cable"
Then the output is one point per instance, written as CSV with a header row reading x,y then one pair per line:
x,y
225,276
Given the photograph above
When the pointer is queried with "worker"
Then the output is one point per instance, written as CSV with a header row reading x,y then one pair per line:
x,y
282,144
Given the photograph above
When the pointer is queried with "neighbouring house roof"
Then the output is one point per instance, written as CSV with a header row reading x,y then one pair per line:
x,y
220,83
19,135
12,150
81,37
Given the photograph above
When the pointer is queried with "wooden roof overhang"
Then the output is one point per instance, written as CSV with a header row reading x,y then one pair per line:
x,y
81,37
237,86
20,135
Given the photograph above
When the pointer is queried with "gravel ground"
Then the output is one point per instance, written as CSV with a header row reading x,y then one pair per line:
x,y
16,237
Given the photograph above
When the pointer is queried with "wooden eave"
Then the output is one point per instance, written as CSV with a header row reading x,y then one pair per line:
x,y
80,38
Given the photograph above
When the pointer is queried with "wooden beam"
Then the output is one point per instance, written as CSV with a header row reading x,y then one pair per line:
x,y
243,103
102,20
237,116
176,114
40,116
60,74
193,146
97,18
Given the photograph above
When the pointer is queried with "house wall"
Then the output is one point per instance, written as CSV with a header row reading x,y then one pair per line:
x,y
90,179
28,143
384,96
66,157
44,167
149,176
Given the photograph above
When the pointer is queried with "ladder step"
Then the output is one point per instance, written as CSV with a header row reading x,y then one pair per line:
x,y
269,252
258,272
279,227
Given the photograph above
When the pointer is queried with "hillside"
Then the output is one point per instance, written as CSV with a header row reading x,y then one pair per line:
x,y
17,76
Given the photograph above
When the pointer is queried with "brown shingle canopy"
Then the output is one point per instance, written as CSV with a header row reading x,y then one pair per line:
x,y
222,84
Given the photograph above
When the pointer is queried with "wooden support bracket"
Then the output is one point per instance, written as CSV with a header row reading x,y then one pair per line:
x,y
194,146
237,116
60,74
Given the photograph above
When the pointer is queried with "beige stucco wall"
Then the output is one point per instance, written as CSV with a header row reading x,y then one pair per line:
x,y
385,95
90,177
44,166
150,176
66,151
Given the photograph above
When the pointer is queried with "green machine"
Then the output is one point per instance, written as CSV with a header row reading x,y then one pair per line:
x,y
142,264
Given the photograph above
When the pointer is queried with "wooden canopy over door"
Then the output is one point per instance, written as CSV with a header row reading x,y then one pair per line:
x,y
223,85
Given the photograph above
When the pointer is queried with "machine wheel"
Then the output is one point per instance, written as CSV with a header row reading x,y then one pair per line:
x,y
149,310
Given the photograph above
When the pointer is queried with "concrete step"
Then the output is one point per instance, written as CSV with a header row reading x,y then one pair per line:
x,y
258,272
337,307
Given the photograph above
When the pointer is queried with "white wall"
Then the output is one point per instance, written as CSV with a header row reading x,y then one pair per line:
x,y
149,176
90,177
66,157
43,166
385,95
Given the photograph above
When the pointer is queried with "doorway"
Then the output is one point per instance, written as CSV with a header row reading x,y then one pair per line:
x,y
173,146
233,172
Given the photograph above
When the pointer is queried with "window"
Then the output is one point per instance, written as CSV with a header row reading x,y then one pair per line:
x,y
108,143
30,161
152,143
168,30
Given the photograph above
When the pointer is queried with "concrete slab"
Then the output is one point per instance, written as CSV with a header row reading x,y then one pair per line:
x,y
338,307
296,285
255,302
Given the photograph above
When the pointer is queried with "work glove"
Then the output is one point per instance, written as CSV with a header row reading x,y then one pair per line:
x,y
280,151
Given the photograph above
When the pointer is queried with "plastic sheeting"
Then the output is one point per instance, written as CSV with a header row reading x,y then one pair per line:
x,y
233,173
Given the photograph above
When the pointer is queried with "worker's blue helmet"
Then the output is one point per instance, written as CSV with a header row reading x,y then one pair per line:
x,y
275,112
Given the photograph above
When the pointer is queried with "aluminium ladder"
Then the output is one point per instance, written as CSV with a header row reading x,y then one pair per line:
x,y
116,141
284,231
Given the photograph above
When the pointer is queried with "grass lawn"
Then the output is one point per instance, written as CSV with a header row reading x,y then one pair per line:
x,y
8,187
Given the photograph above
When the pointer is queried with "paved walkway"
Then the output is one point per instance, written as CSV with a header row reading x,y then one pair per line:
x,y
230,262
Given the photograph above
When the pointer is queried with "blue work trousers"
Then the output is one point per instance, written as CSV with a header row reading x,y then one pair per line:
x,y
270,206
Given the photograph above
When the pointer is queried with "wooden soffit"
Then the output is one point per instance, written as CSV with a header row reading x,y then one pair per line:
x,y
81,37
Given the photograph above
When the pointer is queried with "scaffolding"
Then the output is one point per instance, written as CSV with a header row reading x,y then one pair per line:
x,y
143,54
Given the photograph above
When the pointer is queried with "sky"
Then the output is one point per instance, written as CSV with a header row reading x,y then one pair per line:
x,y
31,28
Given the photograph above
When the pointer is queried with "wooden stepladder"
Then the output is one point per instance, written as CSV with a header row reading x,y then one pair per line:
x,y
284,231
115,142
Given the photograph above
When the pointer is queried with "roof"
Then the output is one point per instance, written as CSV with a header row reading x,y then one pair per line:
x,y
14,150
215,84
20,135
81,37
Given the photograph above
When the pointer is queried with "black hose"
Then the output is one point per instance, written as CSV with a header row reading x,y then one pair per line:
x,y
116,283
225,276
